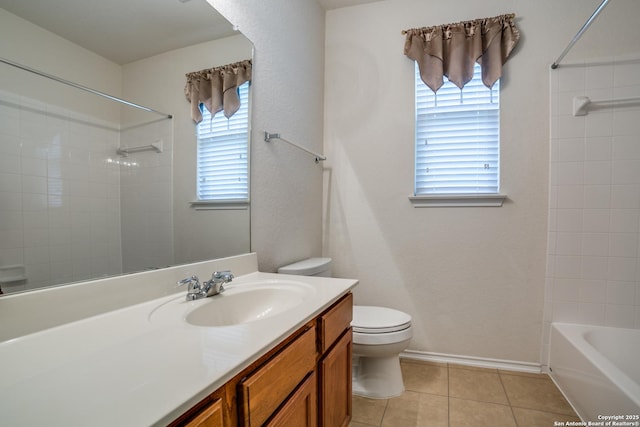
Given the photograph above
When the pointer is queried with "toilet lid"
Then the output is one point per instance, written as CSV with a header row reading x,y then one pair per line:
x,y
376,320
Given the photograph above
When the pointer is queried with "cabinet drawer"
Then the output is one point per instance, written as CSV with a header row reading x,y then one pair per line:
x,y
265,389
335,321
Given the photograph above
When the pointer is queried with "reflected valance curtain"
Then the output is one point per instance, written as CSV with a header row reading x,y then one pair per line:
x,y
217,88
453,49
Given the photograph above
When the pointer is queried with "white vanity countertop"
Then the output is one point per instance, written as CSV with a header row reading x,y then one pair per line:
x,y
123,368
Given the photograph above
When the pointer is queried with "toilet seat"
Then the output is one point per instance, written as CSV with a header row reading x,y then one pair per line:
x,y
378,320
387,338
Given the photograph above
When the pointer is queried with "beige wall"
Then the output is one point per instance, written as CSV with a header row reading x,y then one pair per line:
x,y
472,278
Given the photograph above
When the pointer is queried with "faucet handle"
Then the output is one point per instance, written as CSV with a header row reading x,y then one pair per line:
x,y
218,279
192,281
222,276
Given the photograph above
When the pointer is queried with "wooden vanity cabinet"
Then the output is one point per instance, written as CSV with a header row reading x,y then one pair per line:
x,y
267,388
216,410
334,366
305,381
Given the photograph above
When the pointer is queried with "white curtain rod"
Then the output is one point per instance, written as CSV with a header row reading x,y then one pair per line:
x,y
84,88
269,136
579,34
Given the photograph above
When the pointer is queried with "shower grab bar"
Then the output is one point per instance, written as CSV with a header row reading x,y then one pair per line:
x,y
84,88
579,34
269,136
581,103
156,146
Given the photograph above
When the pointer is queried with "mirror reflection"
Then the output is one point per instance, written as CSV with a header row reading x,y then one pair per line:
x,y
90,187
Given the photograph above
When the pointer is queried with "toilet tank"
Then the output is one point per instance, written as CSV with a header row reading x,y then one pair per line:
x,y
309,267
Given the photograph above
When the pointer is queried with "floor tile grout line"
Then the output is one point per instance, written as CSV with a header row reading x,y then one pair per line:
x,y
386,406
501,376
484,401
504,389
448,395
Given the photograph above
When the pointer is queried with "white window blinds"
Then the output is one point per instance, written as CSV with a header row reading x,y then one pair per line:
x,y
457,138
223,167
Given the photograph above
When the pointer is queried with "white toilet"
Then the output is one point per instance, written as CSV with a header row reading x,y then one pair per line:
x,y
379,335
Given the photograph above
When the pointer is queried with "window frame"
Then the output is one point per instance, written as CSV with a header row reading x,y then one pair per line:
x,y
450,199
232,203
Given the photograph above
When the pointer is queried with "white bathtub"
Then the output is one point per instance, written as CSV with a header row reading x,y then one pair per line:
x,y
598,370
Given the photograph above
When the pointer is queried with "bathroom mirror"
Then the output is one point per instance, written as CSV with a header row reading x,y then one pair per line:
x,y
70,213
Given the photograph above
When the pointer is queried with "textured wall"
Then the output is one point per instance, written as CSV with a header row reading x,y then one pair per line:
x,y
472,278
286,184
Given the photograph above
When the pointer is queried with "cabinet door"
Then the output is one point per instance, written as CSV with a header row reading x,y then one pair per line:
x,y
335,384
300,410
263,391
210,417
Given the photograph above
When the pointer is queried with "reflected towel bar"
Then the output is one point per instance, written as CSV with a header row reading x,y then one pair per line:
x,y
156,146
269,136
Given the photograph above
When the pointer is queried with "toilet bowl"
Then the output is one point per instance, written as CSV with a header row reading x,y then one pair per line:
x,y
380,334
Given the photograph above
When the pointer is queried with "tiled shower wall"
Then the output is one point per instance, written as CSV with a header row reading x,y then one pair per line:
x,y
593,266
146,197
71,208
59,197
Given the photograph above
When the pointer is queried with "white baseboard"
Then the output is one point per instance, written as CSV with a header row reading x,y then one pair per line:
x,y
481,362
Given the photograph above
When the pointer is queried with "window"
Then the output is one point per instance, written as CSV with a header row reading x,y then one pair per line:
x,y
222,166
457,143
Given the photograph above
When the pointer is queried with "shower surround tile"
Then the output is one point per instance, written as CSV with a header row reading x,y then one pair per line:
x,y
603,210
48,158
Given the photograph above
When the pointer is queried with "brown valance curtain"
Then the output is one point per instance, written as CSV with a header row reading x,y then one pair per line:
x,y
453,49
217,88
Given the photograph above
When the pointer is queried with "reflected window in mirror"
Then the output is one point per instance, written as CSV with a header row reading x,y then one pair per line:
x,y
222,163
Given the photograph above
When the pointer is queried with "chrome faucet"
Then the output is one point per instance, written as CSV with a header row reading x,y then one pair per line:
x,y
194,289
209,288
216,284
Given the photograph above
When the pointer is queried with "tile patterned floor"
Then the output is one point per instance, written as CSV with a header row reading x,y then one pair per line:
x,y
447,395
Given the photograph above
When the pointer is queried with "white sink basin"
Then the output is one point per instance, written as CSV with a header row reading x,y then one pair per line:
x,y
238,304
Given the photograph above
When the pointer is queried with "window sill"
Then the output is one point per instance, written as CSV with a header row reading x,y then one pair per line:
x,y
458,200
214,205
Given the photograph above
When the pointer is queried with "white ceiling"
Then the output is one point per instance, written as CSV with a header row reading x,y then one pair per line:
x,y
336,4
127,30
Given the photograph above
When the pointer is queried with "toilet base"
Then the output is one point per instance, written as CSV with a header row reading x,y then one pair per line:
x,y
377,377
